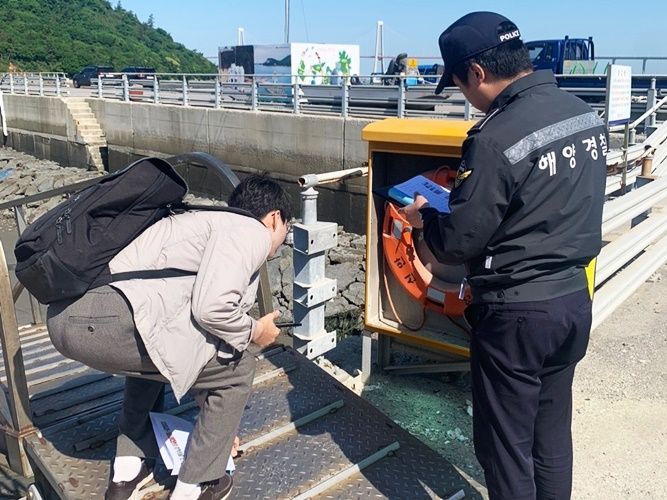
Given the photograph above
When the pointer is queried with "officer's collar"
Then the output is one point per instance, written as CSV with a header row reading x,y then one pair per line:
x,y
541,77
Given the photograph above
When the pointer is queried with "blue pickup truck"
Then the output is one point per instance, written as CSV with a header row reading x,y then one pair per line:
x,y
566,57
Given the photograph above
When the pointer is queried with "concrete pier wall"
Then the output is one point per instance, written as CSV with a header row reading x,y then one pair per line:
x,y
284,144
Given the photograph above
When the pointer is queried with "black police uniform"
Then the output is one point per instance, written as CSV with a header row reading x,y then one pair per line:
x,y
526,214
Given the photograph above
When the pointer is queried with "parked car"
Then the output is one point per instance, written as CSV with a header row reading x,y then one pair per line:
x,y
83,77
139,72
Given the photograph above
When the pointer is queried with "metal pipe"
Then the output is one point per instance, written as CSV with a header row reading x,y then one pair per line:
x,y
156,90
346,473
286,21
126,88
643,117
295,95
217,93
253,96
624,208
184,90
623,249
311,180
622,286
401,98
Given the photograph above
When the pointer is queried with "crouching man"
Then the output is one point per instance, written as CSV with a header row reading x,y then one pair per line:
x,y
192,332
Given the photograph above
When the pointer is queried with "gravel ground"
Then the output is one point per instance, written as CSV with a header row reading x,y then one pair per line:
x,y
619,394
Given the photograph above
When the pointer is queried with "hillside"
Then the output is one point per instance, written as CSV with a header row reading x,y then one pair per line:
x,y
65,35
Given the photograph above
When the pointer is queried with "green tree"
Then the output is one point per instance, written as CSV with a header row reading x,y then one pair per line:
x,y
65,35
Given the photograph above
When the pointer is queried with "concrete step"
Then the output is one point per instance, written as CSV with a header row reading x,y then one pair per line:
x,y
96,143
92,136
90,129
79,107
85,117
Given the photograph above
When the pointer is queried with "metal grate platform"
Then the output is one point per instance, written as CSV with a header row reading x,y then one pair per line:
x,y
304,434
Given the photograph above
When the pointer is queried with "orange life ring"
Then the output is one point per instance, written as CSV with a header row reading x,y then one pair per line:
x,y
399,252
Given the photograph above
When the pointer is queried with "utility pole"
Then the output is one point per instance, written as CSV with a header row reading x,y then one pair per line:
x,y
379,48
240,36
286,21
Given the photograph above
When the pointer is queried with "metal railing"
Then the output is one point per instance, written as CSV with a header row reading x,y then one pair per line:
x,y
373,96
643,59
42,84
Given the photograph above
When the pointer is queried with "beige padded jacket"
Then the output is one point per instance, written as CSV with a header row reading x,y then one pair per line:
x,y
185,321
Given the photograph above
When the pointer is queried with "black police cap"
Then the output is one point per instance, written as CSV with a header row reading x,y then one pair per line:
x,y
473,34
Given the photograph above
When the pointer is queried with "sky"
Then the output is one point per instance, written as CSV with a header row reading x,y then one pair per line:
x,y
617,27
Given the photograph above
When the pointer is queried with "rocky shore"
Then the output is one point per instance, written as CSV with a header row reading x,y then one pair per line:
x,y
24,175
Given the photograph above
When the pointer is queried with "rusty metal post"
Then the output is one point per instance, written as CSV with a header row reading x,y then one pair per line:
x,y
643,179
20,424
21,224
647,166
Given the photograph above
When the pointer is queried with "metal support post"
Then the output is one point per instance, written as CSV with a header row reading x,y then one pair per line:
x,y
366,356
126,89
401,99
378,59
467,110
384,351
58,85
186,99
312,289
99,87
11,83
626,140
295,94
345,100
41,84
21,224
217,93
25,83
253,95
156,90
651,99
19,424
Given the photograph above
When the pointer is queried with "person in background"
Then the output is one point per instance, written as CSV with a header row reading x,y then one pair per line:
x,y
525,217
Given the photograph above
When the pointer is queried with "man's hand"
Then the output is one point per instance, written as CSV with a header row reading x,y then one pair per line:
x,y
265,330
411,212
235,447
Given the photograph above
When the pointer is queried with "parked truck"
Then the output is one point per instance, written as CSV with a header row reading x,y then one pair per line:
x,y
569,59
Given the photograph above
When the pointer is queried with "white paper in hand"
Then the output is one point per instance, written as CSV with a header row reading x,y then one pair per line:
x,y
171,434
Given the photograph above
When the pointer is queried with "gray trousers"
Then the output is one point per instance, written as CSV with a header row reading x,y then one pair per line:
x,y
98,330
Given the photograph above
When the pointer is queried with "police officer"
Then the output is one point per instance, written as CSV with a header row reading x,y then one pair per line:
x,y
525,217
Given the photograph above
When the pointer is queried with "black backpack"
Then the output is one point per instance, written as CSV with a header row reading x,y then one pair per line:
x,y
67,251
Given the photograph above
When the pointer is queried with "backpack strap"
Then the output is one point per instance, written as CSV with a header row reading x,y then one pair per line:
x,y
169,272
186,207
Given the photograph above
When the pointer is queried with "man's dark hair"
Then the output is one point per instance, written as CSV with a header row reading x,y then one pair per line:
x,y
259,195
502,62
